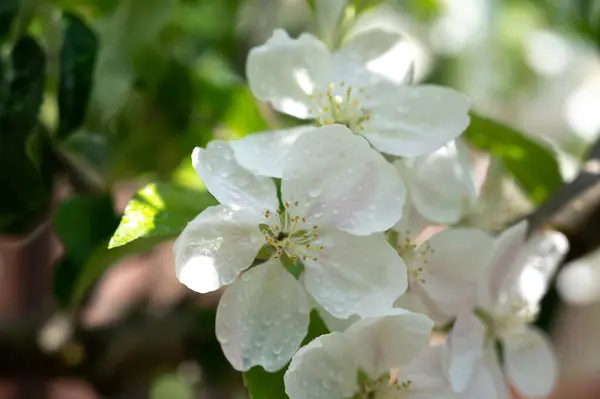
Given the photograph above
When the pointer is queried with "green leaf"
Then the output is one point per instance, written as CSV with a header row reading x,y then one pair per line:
x,y
83,223
264,385
8,11
25,190
171,386
77,60
532,163
26,76
160,210
134,25
100,261
243,116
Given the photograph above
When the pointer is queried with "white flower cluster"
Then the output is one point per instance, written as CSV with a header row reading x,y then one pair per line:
x,y
376,163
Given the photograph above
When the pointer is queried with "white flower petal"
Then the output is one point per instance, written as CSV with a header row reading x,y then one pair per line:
x,y
230,183
412,223
215,247
414,120
340,181
354,275
445,296
389,341
463,350
500,276
329,15
488,380
333,323
462,253
441,183
368,45
262,318
530,362
265,153
326,368
543,253
454,269
411,302
427,376
284,71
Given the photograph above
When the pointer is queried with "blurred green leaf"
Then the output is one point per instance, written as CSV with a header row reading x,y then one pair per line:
x,y
8,11
90,154
264,385
171,386
82,224
25,191
160,210
77,60
134,25
26,76
422,10
99,262
243,116
532,163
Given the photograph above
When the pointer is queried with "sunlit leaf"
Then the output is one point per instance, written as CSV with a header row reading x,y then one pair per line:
x,y
532,163
161,210
244,115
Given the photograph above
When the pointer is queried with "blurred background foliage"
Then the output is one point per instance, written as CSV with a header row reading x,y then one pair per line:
x,y
95,94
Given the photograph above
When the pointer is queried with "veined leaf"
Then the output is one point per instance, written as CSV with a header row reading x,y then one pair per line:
x,y
532,163
160,210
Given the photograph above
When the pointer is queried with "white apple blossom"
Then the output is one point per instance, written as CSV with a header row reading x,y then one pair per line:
x,y
303,78
471,368
385,357
508,300
337,195
440,184
444,271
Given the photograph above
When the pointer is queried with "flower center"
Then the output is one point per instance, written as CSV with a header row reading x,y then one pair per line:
x,y
340,104
290,235
385,387
518,314
416,258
